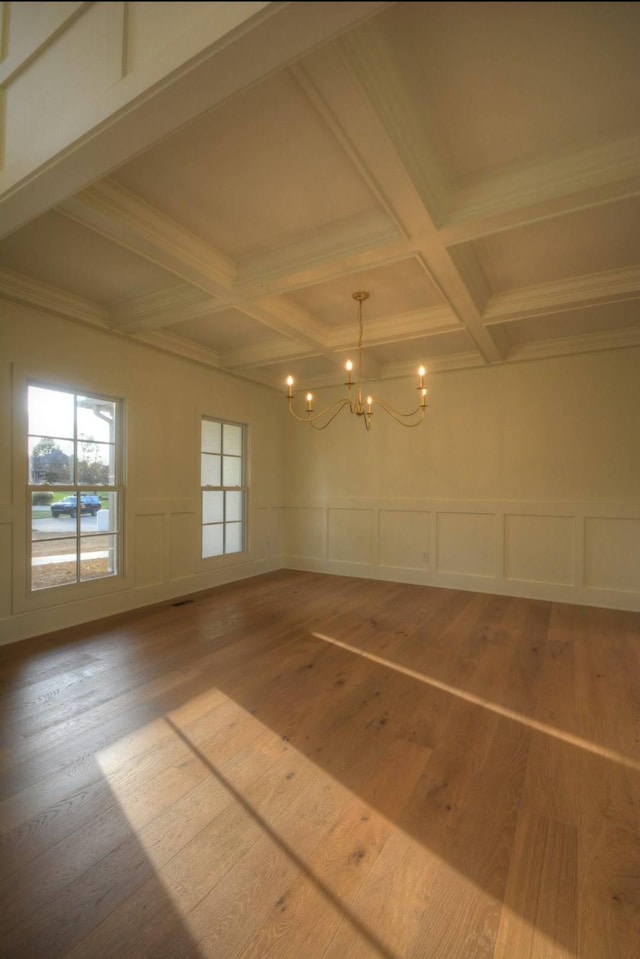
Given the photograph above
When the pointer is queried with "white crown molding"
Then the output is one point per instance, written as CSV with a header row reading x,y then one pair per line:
x,y
472,274
371,371
502,338
567,346
383,372
563,295
265,354
120,215
573,179
406,369
354,107
367,55
163,308
407,326
468,360
337,70
288,319
442,268
51,299
351,237
400,326
351,117
452,361
326,268
178,346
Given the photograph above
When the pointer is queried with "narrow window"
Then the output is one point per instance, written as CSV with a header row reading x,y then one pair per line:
x,y
224,494
74,487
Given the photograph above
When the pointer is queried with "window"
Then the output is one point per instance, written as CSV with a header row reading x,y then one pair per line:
x,y
222,478
75,496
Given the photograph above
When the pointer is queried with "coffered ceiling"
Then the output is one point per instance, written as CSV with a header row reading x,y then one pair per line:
x,y
475,167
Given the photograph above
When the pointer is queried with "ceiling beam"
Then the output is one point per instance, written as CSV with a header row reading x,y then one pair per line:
x,y
283,316
149,104
179,346
359,109
575,179
263,354
120,215
562,295
572,345
163,308
42,296
399,327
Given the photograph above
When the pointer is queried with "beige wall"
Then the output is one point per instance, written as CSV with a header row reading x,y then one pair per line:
x,y
165,398
524,479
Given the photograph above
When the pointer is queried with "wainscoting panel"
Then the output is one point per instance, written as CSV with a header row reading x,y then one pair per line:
x,y
6,535
182,534
612,553
149,539
569,552
259,533
539,549
351,535
275,544
404,538
304,532
466,543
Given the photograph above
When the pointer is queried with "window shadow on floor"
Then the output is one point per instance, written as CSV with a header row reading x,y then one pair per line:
x,y
426,705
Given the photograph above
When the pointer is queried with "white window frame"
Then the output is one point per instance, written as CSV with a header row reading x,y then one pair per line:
x,y
76,487
224,523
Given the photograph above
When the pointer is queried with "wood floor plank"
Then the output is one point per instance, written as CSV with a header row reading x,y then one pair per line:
x,y
300,766
475,848
389,906
609,893
309,913
539,914
279,836
124,931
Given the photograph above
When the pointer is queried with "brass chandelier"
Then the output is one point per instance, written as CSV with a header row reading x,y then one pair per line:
x,y
364,408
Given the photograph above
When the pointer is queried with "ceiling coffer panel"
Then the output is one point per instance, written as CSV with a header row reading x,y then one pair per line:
x,y
475,167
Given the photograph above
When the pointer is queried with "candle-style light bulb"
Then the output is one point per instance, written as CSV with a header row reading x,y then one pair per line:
x,y
290,386
349,368
421,373
369,404
309,399
423,399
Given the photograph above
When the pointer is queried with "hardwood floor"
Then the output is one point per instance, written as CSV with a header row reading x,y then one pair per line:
x,y
300,766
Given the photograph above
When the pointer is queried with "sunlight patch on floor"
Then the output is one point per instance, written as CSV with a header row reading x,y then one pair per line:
x,y
563,735
252,839
216,820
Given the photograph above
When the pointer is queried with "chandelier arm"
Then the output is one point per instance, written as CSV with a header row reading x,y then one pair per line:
x,y
357,405
402,417
337,407
340,407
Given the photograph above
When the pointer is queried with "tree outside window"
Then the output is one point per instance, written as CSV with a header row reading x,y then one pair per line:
x,y
75,487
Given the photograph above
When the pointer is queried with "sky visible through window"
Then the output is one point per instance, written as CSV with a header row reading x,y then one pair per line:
x,y
51,414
